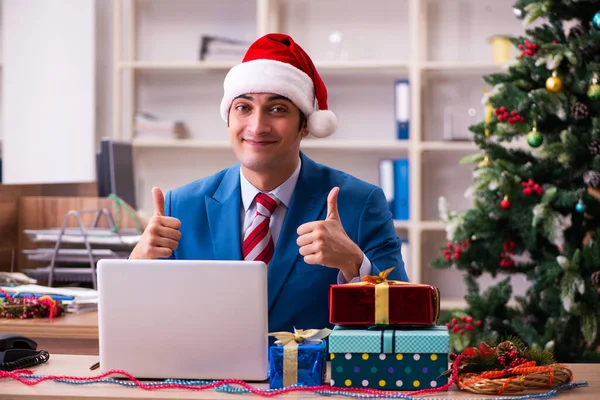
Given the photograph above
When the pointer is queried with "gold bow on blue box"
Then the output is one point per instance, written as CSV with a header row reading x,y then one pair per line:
x,y
290,342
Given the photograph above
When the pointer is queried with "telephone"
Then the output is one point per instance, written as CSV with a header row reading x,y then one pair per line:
x,y
18,352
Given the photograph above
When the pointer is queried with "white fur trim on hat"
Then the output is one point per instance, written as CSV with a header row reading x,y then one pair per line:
x,y
271,76
268,76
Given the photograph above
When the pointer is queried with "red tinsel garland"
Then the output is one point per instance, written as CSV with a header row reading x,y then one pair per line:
x,y
30,307
16,375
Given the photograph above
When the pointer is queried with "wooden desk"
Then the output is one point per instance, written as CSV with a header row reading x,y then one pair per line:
x,y
68,334
79,366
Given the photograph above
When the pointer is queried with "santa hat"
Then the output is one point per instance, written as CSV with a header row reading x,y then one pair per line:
x,y
276,64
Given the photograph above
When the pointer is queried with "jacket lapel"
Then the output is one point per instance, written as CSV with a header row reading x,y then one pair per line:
x,y
309,199
223,213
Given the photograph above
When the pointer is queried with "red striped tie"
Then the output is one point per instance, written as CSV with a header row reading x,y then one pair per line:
x,y
258,243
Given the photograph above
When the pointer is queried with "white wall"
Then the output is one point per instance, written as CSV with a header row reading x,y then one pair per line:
x,y
48,91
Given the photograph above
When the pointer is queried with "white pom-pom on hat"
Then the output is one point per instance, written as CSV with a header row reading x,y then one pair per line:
x,y
322,123
276,64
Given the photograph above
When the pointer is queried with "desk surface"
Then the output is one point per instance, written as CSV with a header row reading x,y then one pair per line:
x,y
75,365
69,326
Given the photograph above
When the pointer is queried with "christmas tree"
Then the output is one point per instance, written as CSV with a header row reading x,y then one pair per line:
x,y
536,208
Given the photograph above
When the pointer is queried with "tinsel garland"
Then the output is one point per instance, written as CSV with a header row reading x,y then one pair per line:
x,y
29,307
28,378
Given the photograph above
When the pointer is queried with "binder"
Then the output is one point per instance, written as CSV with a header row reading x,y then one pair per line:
x,y
402,108
386,181
401,190
394,181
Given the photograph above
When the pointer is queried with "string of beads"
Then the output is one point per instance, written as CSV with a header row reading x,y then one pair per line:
x,y
226,386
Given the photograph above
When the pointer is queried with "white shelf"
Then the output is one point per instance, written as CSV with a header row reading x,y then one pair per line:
x,y
330,144
378,65
449,304
176,66
465,146
402,224
390,145
447,146
432,226
421,225
473,68
373,66
181,143
305,144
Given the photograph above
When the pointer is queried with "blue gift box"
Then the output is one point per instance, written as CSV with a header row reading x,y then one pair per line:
x,y
311,364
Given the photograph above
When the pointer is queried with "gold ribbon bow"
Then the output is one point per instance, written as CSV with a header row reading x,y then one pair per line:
x,y
382,294
290,341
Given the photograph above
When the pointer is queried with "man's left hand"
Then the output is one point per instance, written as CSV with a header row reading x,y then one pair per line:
x,y
326,243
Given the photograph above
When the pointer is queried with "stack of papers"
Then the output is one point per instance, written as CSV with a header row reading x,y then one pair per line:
x,y
75,299
95,236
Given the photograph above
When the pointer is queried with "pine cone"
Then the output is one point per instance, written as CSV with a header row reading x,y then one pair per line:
x,y
594,147
504,348
576,32
592,179
580,111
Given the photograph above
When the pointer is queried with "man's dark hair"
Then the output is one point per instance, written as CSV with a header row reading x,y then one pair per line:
x,y
302,119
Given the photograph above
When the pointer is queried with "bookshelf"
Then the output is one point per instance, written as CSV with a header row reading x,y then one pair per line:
x,y
440,46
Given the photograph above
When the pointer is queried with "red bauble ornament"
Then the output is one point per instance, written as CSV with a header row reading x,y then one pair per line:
x,y
529,187
528,49
509,246
511,116
505,204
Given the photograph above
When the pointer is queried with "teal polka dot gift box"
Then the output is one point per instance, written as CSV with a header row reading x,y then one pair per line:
x,y
389,359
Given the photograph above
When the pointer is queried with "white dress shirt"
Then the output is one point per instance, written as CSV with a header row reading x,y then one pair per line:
x,y
284,193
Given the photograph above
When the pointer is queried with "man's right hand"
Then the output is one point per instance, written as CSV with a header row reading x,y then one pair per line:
x,y
162,234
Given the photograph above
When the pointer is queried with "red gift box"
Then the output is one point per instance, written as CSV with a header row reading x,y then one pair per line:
x,y
382,302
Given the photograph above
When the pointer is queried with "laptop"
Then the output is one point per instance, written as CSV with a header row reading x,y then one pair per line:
x,y
180,319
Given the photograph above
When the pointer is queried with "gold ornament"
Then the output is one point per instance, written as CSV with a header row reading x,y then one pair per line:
x,y
593,92
554,83
486,162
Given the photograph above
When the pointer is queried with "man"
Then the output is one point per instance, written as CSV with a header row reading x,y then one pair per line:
x,y
314,226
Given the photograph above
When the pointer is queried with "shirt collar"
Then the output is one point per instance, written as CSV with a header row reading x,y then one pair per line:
x,y
283,192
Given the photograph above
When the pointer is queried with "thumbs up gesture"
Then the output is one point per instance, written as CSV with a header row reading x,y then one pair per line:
x,y
326,242
161,235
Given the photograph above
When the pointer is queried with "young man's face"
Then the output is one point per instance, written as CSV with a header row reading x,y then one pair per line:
x,y
265,132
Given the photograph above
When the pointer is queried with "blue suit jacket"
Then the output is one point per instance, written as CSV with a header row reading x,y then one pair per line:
x,y
298,293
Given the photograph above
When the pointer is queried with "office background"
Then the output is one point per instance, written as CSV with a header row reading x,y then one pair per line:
x,y
89,66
